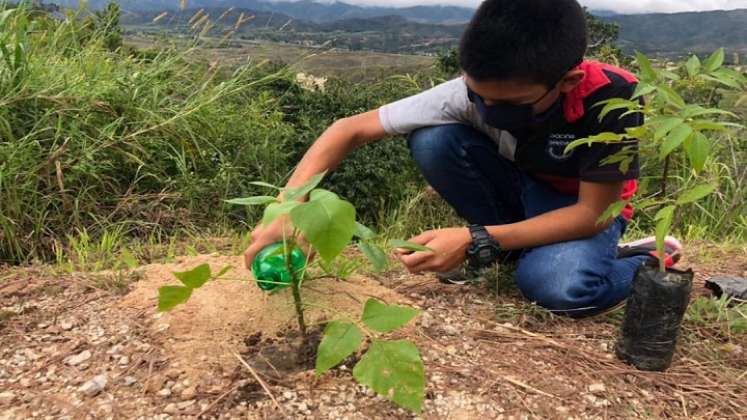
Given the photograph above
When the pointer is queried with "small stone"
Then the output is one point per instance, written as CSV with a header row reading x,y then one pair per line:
x,y
185,404
173,373
164,392
7,397
94,386
25,382
171,409
115,349
597,388
189,393
67,325
124,361
129,380
78,358
302,406
450,330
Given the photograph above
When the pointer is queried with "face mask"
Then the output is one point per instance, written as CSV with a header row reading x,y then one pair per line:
x,y
507,117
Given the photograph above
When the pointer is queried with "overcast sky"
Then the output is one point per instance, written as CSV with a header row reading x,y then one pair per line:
x,y
629,6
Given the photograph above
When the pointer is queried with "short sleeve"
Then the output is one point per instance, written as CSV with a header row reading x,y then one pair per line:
x,y
595,164
446,103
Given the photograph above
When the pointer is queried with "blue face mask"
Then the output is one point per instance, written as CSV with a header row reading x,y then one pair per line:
x,y
504,116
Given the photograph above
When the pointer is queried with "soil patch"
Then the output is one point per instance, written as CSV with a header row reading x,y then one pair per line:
x,y
235,314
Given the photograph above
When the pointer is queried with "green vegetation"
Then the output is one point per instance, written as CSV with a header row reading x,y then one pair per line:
x,y
104,146
151,144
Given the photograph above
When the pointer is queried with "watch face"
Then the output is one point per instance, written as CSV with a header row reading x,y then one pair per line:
x,y
486,254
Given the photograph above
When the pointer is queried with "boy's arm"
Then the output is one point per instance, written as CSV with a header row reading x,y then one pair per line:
x,y
326,153
565,224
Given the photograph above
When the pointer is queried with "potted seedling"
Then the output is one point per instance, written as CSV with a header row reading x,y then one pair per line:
x,y
392,368
677,131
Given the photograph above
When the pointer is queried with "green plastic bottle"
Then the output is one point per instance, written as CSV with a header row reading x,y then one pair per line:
x,y
270,270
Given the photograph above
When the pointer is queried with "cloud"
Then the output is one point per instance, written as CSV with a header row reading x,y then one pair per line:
x,y
632,6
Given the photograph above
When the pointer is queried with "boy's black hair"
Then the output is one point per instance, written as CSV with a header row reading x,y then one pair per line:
x,y
531,40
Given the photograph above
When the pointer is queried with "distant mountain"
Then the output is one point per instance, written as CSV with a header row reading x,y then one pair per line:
x,y
431,26
677,33
304,9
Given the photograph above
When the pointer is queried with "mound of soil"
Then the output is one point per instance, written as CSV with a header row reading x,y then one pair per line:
x,y
225,314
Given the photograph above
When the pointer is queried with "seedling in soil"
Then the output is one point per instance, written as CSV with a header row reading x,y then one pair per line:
x,y
328,223
680,133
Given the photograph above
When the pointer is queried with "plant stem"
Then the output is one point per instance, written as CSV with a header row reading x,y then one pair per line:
x,y
665,176
664,179
296,287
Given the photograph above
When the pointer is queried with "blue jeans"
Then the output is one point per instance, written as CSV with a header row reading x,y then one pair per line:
x,y
575,278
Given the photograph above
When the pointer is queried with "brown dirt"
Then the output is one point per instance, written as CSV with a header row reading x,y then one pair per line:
x,y
487,354
226,312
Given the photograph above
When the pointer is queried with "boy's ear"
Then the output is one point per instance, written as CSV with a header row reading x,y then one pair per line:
x,y
571,80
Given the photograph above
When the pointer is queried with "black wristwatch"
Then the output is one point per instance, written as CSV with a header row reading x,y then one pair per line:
x,y
484,250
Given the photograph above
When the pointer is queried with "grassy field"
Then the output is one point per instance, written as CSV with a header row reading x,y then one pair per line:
x,y
350,65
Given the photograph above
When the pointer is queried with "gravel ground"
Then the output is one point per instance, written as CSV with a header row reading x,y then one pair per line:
x,y
69,351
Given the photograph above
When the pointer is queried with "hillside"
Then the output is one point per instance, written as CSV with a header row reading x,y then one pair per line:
x,y
677,33
664,34
305,9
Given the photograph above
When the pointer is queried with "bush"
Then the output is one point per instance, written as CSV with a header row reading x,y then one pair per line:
x,y
152,143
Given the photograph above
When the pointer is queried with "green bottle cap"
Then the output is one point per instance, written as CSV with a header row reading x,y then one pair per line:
x,y
270,270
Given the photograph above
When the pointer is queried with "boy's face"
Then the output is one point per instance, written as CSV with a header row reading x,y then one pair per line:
x,y
518,92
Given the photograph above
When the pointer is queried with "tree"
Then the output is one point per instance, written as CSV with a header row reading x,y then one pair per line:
x,y
107,21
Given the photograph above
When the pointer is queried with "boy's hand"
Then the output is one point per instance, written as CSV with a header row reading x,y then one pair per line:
x,y
263,236
449,248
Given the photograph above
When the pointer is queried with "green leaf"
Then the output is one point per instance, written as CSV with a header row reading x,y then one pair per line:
x,y
700,125
293,194
253,201
648,73
363,232
171,296
612,211
222,272
671,96
409,246
696,111
613,105
675,138
265,184
693,66
322,194
385,318
714,61
605,137
695,194
275,210
327,224
375,255
664,218
666,125
697,148
195,278
642,89
665,213
394,370
339,341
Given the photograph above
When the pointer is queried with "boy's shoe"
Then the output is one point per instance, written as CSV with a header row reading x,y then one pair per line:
x,y
647,246
460,276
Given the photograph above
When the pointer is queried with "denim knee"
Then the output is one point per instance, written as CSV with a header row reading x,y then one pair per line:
x,y
436,146
549,285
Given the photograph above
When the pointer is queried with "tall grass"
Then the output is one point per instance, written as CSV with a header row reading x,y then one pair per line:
x,y
92,138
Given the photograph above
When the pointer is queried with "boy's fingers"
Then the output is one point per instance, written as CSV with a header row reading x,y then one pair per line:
x,y
424,238
252,252
416,259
